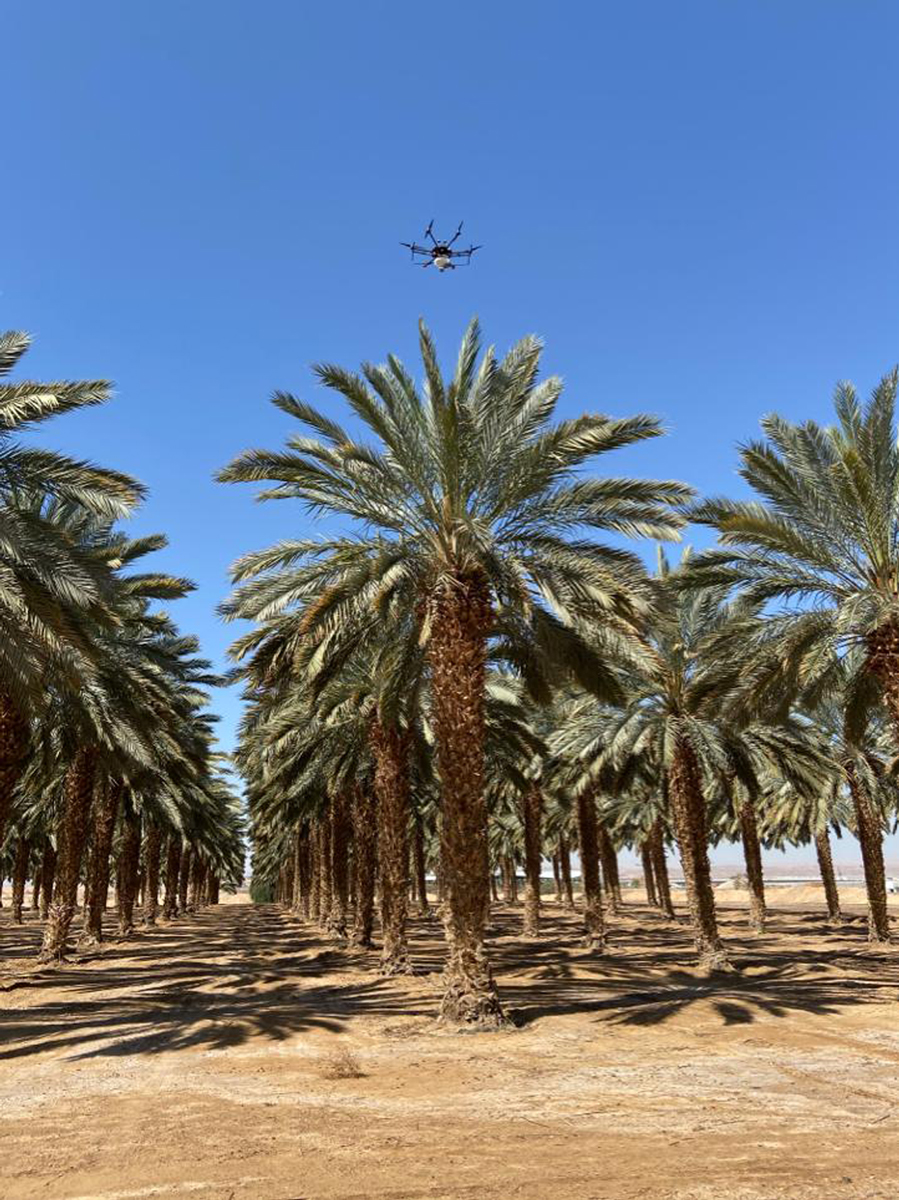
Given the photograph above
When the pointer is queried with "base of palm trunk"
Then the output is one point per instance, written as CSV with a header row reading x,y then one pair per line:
x,y
714,958
395,962
877,937
59,921
470,997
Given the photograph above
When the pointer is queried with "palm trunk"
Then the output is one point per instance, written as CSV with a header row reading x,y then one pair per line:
x,y
214,887
752,853
14,736
19,875
315,864
421,876
390,749
48,878
660,869
296,900
184,877
172,874
688,807
195,884
79,788
588,838
828,877
557,878
325,896
609,870
152,853
510,888
129,869
565,864
105,811
340,866
461,618
532,812
648,875
304,853
869,828
35,889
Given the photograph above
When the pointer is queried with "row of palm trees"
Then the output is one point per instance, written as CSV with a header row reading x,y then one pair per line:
x,y
107,753
476,668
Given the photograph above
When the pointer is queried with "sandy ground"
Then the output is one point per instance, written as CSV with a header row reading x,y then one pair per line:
x,y
198,1060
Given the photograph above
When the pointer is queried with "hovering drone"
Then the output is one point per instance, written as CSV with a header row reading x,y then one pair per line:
x,y
441,254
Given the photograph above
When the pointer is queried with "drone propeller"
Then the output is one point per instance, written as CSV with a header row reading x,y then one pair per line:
x,y
455,235
429,234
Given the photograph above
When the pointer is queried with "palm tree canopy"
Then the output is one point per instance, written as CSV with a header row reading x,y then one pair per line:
x,y
469,478
825,529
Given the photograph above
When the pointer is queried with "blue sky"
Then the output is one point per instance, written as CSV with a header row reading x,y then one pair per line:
x,y
694,205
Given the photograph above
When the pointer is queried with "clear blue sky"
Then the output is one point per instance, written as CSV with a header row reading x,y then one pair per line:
x,y
694,204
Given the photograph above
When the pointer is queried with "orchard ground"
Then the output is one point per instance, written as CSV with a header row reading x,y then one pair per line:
x,y
237,1054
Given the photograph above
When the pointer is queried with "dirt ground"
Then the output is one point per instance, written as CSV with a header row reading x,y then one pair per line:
x,y
213,1059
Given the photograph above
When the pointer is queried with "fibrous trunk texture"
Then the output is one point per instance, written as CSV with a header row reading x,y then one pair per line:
x,y
752,853
688,808
48,878
324,868
105,811
557,878
869,828
828,877
299,883
588,839
184,877
510,882
152,854
129,870
421,878
195,885
365,837
315,868
78,792
883,662
609,870
14,735
565,864
19,875
461,618
660,870
35,889
340,866
172,875
532,813
390,749
649,881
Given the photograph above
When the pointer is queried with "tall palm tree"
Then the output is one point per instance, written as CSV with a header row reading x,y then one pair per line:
x,y
685,720
466,514
822,536
46,584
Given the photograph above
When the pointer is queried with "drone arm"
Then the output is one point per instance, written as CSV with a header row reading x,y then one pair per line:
x,y
455,235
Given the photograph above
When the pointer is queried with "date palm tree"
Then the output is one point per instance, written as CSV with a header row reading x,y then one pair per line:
x,y
47,585
468,512
822,535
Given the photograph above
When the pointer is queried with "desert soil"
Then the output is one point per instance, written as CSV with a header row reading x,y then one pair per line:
x,y
212,1058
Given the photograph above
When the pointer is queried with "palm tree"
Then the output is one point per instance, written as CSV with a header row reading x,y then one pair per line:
x,y
466,516
823,535
686,720
47,586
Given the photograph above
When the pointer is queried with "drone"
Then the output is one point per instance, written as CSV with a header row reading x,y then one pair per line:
x,y
441,254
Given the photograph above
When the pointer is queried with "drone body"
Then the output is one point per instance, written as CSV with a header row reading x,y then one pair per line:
x,y
441,254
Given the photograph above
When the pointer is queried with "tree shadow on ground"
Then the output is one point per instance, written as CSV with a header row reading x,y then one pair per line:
x,y
227,975
212,981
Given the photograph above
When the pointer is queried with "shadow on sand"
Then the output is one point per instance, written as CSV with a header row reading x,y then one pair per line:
x,y
224,976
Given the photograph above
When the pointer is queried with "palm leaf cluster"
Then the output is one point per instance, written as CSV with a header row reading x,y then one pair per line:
x,y
107,749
